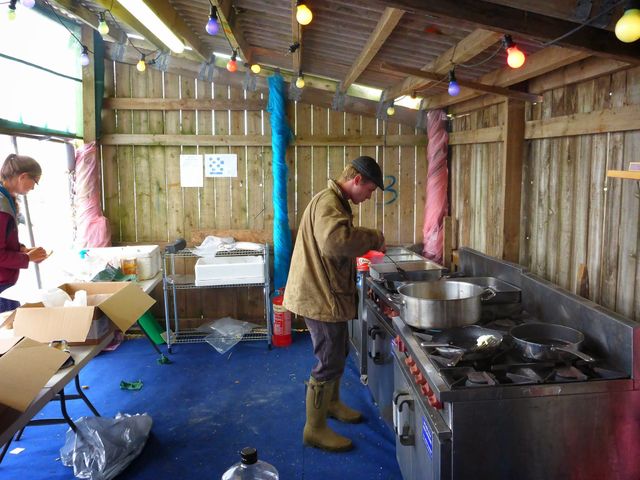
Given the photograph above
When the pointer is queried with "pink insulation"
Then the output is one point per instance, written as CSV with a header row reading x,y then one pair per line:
x,y
93,227
436,206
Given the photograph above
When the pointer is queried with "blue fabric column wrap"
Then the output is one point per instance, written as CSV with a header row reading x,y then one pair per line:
x,y
280,137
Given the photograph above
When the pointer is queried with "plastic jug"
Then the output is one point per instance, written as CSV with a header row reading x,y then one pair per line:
x,y
250,468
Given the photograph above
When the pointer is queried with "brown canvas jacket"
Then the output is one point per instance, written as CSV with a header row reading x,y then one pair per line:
x,y
321,283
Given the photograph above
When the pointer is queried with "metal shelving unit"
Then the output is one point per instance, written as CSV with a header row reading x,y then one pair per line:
x,y
172,282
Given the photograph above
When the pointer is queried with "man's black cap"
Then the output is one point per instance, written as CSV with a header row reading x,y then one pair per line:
x,y
370,169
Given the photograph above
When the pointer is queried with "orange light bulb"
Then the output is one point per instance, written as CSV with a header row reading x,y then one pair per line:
x,y
515,57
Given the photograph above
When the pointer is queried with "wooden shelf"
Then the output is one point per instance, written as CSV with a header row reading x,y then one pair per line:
x,y
623,174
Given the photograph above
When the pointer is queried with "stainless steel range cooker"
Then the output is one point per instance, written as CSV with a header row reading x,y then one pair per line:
x,y
505,417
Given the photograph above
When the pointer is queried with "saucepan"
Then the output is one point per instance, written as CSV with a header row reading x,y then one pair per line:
x,y
548,341
442,304
472,342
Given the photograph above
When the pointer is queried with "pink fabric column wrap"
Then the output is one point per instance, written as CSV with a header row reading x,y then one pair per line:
x,y
93,227
436,204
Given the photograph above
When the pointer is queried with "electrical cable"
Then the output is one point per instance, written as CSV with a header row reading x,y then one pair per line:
x,y
584,24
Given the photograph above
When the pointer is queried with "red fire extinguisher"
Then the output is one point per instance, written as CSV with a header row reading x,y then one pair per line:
x,y
281,321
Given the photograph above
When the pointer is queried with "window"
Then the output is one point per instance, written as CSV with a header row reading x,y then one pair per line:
x,y
41,82
50,208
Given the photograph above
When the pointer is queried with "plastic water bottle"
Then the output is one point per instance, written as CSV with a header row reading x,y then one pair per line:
x,y
250,468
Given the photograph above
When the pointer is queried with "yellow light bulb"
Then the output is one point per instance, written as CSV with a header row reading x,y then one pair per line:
x,y
103,28
11,14
300,82
255,68
141,66
303,14
391,110
628,27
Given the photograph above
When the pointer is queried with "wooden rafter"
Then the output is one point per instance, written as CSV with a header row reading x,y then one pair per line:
x,y
517,22
236,39
470,46
539,63
296,37
388,21
90,19
171,18
480,87
122,15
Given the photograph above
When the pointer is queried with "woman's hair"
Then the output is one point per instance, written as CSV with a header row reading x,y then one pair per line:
x,y
15,165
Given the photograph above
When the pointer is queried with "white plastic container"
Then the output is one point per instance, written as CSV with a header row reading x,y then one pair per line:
x,y
148,261
240,270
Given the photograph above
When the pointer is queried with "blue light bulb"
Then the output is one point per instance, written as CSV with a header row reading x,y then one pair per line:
x,y
212,26
454,88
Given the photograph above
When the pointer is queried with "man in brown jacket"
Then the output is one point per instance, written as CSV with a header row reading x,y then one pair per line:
x,y
322,288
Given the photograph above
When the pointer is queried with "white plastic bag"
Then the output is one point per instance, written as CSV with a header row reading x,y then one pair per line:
x,y
209,247
225,332
103,447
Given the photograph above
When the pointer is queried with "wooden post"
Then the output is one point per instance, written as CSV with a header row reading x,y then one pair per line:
x,y
512,177
447,241
88,90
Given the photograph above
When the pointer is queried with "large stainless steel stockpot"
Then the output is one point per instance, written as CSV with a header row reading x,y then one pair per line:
x,y
442,304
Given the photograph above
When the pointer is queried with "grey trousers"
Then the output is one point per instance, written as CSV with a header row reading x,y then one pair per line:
x,y
330,347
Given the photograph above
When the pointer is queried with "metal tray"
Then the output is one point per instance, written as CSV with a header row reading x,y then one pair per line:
x,y
423,270
505,292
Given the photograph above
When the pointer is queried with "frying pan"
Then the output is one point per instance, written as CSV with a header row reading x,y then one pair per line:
x,y
547,341
455,341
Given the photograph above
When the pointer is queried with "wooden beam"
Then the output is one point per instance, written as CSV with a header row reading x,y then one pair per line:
x,y
480,87
587,69
630,175
165,12
323,97
470,46
236,39
521,23
620,119
539,63
475,104
512,152
296,37
88,91
388,21
478,135
112,103
89,18
263,140
122,15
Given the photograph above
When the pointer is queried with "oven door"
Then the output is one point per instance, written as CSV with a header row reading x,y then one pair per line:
x,y
379,336
358,329
423,451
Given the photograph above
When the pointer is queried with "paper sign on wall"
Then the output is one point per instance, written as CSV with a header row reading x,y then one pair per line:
x,y
221,165
191,171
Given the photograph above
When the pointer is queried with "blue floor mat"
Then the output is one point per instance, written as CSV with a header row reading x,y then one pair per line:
x,y
206,407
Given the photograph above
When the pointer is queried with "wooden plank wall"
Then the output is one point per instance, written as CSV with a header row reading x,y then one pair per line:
x,y
145,203
476,194
572,214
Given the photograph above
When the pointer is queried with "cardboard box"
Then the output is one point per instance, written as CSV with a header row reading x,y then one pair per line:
x,y
121,302
25,369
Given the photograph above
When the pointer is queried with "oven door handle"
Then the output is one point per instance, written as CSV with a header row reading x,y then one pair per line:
x,y
374,354
403,418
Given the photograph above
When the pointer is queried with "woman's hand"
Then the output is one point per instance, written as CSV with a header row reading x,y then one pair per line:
x,y
36,255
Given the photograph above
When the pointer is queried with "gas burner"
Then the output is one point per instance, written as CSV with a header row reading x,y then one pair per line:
x,y
478,379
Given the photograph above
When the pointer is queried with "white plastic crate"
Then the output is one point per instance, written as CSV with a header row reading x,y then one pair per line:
x,y
231,270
